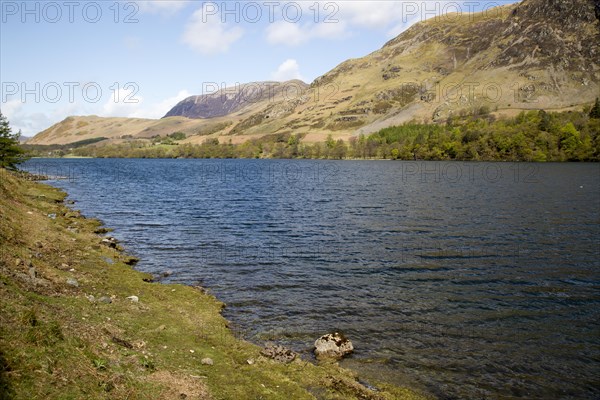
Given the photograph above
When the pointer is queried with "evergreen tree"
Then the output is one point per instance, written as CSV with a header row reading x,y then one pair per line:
x,y
595,112
545,121
10,152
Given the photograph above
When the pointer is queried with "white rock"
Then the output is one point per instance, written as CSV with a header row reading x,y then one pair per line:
x,y
333,345
135,299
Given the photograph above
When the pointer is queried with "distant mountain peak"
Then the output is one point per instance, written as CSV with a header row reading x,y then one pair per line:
x,y
228,100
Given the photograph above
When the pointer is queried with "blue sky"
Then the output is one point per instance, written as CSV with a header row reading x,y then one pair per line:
x,y
139,58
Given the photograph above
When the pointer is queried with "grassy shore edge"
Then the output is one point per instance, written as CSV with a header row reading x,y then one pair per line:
x,y
70,329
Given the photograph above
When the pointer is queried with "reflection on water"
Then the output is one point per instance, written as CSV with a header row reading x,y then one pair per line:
x,y
469,280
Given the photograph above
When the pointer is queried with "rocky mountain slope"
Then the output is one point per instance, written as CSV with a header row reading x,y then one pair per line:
x,y
537,54
229,100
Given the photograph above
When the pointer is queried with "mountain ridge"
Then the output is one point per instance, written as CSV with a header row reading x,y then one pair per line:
x,y
228,100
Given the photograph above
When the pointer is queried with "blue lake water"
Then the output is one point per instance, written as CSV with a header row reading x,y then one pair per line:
x,y
465,280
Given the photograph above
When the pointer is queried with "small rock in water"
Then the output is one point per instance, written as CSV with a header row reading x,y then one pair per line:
x,y
333,345
167,273
207,361
134,299
72,282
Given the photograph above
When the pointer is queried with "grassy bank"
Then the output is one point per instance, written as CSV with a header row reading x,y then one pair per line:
x,y
68,329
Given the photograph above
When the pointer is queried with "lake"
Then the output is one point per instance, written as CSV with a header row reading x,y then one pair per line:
x,y
465,280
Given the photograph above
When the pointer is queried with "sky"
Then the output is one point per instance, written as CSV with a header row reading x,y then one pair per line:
x,y
140,58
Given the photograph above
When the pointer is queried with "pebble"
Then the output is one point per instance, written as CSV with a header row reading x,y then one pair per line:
x,y
207,361
134,299
105,299
72,282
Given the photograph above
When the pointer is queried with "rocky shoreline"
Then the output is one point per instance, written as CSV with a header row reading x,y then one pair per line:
x,y
77,321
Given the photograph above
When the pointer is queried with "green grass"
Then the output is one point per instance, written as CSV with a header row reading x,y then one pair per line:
x,y
57,344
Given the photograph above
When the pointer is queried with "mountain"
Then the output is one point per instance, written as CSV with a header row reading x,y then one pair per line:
x,y
229,100
537,54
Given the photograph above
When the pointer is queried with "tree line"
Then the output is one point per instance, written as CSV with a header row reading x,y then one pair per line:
x,y
530,136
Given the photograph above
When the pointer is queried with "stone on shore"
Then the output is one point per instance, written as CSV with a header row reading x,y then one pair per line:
x,y
110,242
278,353
333,346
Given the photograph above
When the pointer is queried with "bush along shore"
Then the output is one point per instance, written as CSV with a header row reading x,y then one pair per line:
x,y
78,322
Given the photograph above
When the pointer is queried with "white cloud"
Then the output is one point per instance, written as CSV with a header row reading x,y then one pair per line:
x,y
30,123
126,106
163,7
206,33
288,70
370,14
158,110
121,103
294,34
11,108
